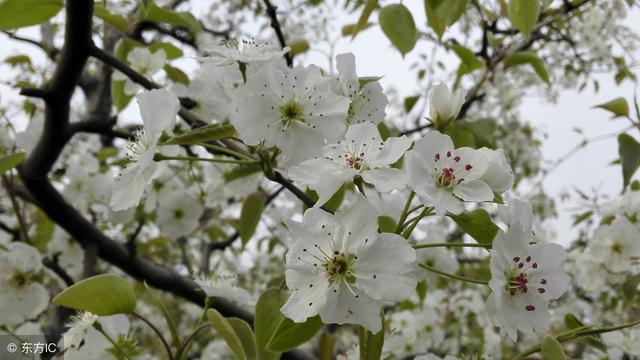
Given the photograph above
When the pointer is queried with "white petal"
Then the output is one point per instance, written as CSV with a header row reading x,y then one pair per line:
x,y
369,105
385,180
308,296
128,188
498,174
159,109
299,143
474,190
393,149
360,223
431,144
346,65
386,268
342,307
323,176
440,104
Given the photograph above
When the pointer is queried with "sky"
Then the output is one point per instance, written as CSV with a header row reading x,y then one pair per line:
x,y
588,169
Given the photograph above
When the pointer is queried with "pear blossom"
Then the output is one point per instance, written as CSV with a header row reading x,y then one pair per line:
x,y
212,89
95,345
361,153
223,284
341,268
158,109
293,109
368,102
525,276
498,175
442,176
145,62
23,296
616,245
244,51
444,106
179,214
77,329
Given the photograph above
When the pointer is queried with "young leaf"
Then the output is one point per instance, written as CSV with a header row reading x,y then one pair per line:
x,y
371,344
524,14
618,107
433,19
630,286
153,12
10,161
250,215
103,295
268,318
386,224
244,333
450,10
551,349
176,75
478,225
364,18
172,51
629,150
228,333
529,57
298,46
410,102
122,49
44,230
117,21
290,335
397,24
16,14
202,135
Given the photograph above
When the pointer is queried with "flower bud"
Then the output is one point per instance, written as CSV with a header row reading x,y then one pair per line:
x,y
444,106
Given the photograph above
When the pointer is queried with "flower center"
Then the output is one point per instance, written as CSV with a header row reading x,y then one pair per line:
x,y
519,278
355,161
617,248
339,267
448,174
290,112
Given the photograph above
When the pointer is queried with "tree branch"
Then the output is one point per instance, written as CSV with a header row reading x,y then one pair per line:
x,y
275,24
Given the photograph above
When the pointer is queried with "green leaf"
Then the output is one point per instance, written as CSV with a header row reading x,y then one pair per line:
x,y
461,137
364,80
268,318
450,10
228,333
16,14
290,335
332,204
528,57
371,344
250,215
477,224
153,12
484,130
581,217
117,21
468,57
10,161
397,24
363,20
274,332
618,107
629,150
298,46
630,286
433,19
203,135
172,51
524,14
244,333
241,171
551,348
410,102
103,295
386,224
176,75
44,231
350,28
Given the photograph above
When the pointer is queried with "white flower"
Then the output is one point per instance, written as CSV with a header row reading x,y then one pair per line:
x,y
23,297
223,284
244,51
621,342
444,106
368,102
341,268
616,246
292,109
362,153
434,357
441,175
158,109
212,88
96,346
525,276
499,175
77,329
144,62
179,214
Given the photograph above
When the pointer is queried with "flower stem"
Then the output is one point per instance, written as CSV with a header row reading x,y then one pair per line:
x,y
224,150
450,244
155,329
414,222
161,157
453,276
98,327
405,212
187,343
572,334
